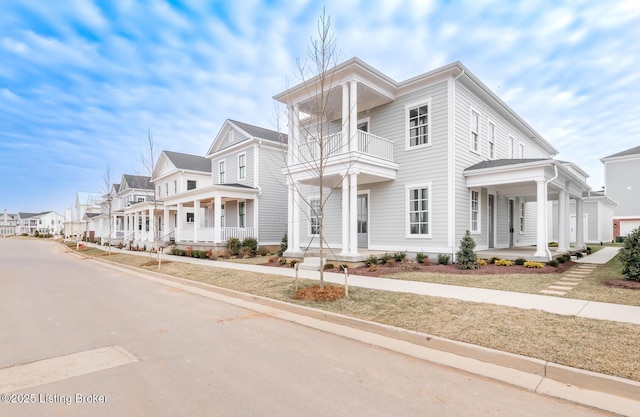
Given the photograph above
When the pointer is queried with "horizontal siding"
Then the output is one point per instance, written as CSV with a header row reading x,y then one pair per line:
x,y
623,186
272,202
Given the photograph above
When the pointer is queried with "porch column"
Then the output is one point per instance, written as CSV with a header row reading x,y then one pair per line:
x,y
345,124
579,224
345,215
353,214
152,233
217,218
563,216
290,225
196,219
114,227
135,226
179,220
165,221
541,235
294,240
353,115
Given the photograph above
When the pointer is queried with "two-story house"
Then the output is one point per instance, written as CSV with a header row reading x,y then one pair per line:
x,y
622,185
244,195
411,165
75,223
46,222
8,223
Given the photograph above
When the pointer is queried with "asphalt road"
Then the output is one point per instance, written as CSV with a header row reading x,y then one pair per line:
x,y
173,353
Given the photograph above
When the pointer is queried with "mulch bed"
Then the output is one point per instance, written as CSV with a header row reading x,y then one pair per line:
x,y
623,283
315,293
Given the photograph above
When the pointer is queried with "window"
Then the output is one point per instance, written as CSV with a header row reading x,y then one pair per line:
x,y
418,125
475,131
140,199
521,217
418,211
191,185
190,217
242,213
512,145
314,216
222,168
158,190
166,188
491,149
242,166
175,186
475,211
521,150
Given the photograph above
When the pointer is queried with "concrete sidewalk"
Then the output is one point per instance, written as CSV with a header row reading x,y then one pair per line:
x,y
557,305
600,257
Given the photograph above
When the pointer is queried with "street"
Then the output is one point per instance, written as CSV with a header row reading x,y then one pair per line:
x,y
140,348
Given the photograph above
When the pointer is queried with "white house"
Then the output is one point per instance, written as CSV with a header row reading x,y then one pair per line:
x,y
74,222
47,222
622,185
8,223
411,165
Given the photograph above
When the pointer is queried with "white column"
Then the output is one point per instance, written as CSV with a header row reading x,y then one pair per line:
x,y
165,222
563,218
353,214
196,219
579,224
290,209
345,215
293,243
179,221
291,135
345,121
353,115
136,234
541,229
114,226
152,233
217,218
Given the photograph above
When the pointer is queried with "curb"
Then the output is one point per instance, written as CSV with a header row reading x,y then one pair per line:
x,y
588,388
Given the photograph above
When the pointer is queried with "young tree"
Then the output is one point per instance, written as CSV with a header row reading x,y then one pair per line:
x,y
108,199
316,74
148,160
629,255
466,257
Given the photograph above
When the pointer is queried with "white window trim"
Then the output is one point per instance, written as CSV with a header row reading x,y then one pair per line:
x,y
221,179
195,185
522,217
407,109
366,120
490,139
245,214
309,216
511,144
471,111
230,136
245,166
407,190
521,150
175,187
186,217
479,229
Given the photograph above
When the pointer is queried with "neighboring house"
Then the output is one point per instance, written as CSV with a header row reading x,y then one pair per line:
x,y
47,222
86,202
130,215
414,164
240,192
8,224
622,185
597,219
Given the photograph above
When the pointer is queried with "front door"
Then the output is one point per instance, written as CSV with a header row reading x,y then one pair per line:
x,y
363,221
510,223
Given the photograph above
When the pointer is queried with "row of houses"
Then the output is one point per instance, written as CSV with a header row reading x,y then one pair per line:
x,y
45,223
406,166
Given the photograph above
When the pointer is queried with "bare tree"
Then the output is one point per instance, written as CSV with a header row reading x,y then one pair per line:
x,y
148,160
315,141
108,199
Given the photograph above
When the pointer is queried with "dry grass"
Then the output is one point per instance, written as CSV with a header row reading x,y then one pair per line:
x,y
595,345
592,289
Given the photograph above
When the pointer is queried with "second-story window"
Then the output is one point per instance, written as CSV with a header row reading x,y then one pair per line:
x,y
521,150
491,149
418,125
475,131
175,186
242,166
222,172
191,185
166,188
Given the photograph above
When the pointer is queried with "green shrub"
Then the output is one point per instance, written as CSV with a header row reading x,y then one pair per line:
x,y
553,244
579,255
588,250
384,259
233,246
443,259
520,261
421,256
629,255
553,262
282,261
283,245
371,260
466,257
326,267
399,256
493,259
293,262
251,244
343,267
262,251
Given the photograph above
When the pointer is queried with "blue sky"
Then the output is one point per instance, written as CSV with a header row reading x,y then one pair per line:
x,y
81,81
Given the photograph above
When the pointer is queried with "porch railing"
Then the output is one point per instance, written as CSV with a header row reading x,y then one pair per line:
x,y
207,234
368,144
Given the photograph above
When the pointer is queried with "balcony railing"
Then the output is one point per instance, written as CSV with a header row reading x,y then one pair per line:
x,y
207,234
367,143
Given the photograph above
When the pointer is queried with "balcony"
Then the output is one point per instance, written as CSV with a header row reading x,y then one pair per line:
x,y
368,144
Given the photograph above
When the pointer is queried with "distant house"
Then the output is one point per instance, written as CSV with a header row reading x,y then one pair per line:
x,y
411,165
622,185
74,223
47,222
131,209
8,224
597,218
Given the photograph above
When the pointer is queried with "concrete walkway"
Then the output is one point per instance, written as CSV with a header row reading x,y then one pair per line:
x,y
557,305
600,257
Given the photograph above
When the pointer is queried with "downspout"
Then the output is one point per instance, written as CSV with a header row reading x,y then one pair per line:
x,y
546,220
452,177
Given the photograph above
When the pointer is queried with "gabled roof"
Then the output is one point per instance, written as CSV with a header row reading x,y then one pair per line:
x,y
116,187
502,162
90,215
188,162
260,132
89,198
628,152
136,181
27,215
